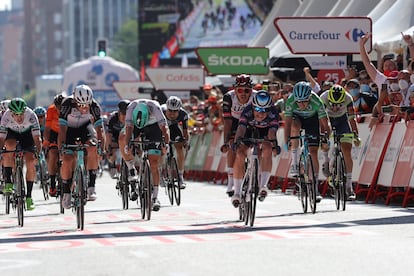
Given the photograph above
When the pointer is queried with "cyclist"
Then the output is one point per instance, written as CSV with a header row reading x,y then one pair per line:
x,y
341,113
177,119
145,116
259,119
40,112
19,123
50,138
116,122
80,116
304,109
233,103
4,104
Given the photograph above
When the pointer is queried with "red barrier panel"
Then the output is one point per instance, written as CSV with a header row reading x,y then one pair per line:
x,y
375,152
384,185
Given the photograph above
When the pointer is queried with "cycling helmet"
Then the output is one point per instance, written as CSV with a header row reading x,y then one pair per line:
x,y
173,103
140,115
83,94
262,99
58,99
302,91
243,80
336,94
122,106
17,105
4,105
40,111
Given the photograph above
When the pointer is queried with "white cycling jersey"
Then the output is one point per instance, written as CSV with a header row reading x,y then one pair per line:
x,y
155,114
30,123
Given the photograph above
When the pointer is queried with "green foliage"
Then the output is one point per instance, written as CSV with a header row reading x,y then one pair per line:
x,y
125,44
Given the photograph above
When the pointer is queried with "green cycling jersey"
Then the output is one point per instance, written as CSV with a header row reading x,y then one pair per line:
x,y
315,106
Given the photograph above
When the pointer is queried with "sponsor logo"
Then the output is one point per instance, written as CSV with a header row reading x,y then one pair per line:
x,y
354,34
215,60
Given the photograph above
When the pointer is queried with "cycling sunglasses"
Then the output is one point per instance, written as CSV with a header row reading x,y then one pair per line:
x,y
304,101
240,90
261,109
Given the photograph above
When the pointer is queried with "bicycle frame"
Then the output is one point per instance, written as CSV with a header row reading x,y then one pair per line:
x,y
338,176
17,198
171,176
80,178
305,179
144,186
250,186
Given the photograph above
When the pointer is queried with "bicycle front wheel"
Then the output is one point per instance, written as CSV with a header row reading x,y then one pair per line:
x,y
254,191
145,191
311,183
176,181
20,195
8,203
44,179
80,197
124,185
342,182
301,183
167,177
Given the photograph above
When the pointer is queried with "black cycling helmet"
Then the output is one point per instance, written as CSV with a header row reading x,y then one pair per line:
x,y
243,80
123,105
58,99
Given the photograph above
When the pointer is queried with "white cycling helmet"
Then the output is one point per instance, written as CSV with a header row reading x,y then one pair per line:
x,y
4,105
173,103
83,94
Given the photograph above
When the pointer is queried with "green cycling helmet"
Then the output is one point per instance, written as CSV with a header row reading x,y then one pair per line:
x,y
17,105
140,115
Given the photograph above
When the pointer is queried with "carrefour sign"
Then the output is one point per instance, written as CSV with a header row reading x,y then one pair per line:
x,y
234,60
323,35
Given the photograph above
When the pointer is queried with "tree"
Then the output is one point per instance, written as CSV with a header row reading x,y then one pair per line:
x,y
125,44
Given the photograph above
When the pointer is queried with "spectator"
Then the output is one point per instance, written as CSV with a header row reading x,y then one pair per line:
x,y
280,104
312,81
363,102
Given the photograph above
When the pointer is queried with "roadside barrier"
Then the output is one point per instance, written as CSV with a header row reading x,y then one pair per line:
x,y
383,165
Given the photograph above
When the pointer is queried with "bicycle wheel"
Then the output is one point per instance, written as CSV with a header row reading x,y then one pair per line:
x,y
124,186
176,181
254,191
80,199
8,203
301,183
168,180
335,181
311,183
60,192
342,182
146,192
243,206
44,179
20,195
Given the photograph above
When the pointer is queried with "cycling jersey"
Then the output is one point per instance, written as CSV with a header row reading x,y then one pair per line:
x,y
52,118
341,109
271,121
30,123
232,108
70,116
114,126
154,109
181,119
315,107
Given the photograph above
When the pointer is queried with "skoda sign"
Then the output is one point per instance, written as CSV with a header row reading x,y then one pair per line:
x,y
234,60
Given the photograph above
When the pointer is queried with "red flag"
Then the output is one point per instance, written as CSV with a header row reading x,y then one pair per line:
x,y
142,73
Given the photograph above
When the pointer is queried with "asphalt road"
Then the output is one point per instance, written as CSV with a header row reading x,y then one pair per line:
x,y
204,237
